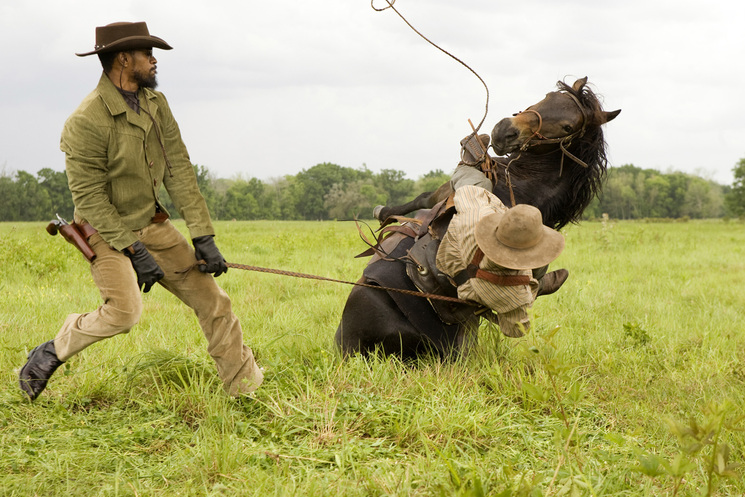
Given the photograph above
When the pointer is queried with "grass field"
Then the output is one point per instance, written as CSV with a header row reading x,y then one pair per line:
x,y
633,382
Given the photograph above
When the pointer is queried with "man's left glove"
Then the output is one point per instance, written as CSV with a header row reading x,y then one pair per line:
x,y
206,250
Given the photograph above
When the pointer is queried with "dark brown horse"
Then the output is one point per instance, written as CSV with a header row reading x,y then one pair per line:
x,y
556,161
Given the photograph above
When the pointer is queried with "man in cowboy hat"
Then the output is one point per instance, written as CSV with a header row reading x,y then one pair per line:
x,y
490,251
121,145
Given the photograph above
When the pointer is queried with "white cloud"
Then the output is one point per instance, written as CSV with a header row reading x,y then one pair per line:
x,y
271,88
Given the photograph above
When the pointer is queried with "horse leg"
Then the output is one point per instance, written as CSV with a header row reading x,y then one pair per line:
x,y
372,321
426,200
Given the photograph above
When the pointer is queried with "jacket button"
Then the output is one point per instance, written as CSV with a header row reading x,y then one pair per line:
x,y
151,164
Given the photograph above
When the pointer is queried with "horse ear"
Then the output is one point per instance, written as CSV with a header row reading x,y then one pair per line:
x,y
609,116
579,84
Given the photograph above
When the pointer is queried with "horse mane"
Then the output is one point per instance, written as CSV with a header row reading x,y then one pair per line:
x,y
565,197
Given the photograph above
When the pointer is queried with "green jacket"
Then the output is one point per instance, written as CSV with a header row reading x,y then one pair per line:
x,y
116,166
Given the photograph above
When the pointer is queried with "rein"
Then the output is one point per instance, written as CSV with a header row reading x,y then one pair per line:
x,y
246,267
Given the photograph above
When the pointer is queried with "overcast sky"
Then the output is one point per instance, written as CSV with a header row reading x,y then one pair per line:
x,y
267,88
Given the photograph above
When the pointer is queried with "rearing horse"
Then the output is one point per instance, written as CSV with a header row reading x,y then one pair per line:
x,y
556,162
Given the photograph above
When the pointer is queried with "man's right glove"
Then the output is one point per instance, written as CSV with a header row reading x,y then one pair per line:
x,y
148,271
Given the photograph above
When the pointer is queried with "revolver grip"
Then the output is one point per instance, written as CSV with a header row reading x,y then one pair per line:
x,y
53,227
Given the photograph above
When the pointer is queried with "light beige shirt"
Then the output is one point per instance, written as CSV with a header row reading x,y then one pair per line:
x,y
458,246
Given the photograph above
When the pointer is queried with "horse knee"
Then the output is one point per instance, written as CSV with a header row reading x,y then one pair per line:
x,y
345,344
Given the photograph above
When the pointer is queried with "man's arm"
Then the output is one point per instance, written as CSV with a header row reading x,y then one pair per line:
x,y
85,145
181,181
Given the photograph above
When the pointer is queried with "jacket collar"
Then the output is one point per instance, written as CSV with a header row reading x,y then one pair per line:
x,y
114,101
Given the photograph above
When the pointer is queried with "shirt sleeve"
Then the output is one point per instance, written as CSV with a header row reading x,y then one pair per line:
x,y
514,323
85,144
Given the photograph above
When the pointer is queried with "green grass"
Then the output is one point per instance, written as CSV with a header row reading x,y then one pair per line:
x,y
633,382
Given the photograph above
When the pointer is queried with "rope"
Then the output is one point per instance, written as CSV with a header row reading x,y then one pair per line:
x,y
246,267
390,6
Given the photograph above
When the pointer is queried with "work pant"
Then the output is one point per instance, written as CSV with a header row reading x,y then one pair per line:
x,y
469,175
122,305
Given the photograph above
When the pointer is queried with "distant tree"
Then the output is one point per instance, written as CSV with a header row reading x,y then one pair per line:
x,y
632,193
431,181
312,186
241,200
354,200
206,183
676,194
55,183
394,184
280,199
10,201
619,199
703,199
735,198
35,201
656,196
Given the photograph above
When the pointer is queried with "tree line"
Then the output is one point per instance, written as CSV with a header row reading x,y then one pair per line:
x,y
630,192
329,191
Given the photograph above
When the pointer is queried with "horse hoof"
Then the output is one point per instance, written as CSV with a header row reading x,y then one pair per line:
x,y
376,212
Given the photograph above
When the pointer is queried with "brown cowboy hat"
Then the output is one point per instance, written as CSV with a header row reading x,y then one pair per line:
x,y
123,36
517,239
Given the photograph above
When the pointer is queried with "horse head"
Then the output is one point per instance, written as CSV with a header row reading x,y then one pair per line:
x,y
556,148
561,117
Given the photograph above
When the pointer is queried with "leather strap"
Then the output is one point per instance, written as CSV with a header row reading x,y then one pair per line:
x,y
473,271
85,229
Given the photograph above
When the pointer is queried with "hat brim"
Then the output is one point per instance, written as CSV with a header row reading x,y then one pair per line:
x,y
130,43
545,251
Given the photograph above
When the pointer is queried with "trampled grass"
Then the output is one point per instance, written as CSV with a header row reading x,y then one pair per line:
x,y
633,382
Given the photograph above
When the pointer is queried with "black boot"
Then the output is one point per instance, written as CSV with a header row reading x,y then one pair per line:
x,y
41,365
552,281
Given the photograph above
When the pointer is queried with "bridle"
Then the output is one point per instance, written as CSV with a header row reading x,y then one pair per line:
x,y
564,142
537,139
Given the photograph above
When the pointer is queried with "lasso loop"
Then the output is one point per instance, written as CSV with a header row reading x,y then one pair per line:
x,y
390,6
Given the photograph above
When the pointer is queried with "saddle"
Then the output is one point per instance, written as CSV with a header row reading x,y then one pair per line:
x,y
421,268
427,230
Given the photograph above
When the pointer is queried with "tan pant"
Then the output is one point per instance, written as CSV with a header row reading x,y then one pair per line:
x,y
122,305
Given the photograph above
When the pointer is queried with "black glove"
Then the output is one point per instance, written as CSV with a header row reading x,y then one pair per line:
x,y
206,250
148,271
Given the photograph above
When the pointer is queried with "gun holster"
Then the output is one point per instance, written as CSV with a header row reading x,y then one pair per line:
x,y
77,234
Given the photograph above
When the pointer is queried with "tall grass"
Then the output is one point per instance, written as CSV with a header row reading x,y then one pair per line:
x,y
632,383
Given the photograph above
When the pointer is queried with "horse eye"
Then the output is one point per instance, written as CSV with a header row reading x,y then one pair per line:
x,y
567,128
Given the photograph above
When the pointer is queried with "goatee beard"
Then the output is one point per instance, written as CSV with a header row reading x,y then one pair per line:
x,y
145,81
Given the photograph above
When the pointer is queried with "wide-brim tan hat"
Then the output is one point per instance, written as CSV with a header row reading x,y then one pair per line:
x,y
123,36
518,239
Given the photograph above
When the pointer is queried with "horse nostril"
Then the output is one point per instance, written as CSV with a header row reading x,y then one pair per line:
x,y
504,132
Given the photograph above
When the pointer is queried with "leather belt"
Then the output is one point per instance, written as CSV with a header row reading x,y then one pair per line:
x,y
473,271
